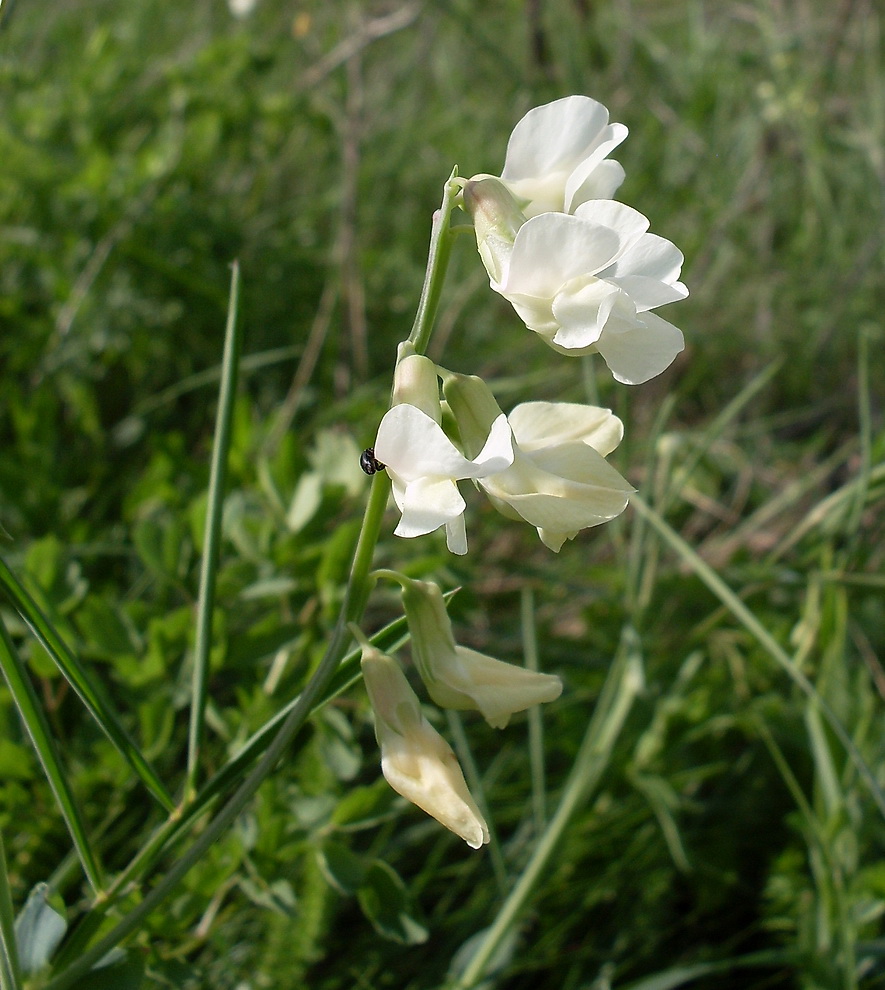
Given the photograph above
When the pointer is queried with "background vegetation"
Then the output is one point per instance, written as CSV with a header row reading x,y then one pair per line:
x,y
731,843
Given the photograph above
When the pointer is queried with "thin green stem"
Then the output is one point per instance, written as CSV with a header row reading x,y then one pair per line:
x,y
212,535
441,240
621,687
10,969
478,791
866,430
535,718
740,611
89,691
31,713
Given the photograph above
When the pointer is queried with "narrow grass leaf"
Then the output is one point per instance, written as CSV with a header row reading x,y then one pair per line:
x,y
740,611
679,976
38,729
212,534
10,969
89,692
622,685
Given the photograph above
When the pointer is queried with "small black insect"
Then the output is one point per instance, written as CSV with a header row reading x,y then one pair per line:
x,y
369,463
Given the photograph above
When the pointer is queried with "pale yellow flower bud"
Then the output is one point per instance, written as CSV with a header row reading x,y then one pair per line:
x,y
415,759
460,678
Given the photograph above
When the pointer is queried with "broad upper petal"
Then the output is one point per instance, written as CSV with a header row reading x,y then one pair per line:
x,y
546,424
415,446
598,178
553,248
554,137
651,256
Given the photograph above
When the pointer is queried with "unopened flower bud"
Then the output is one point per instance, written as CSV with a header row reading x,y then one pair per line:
x,y
415,759
415,382
460,678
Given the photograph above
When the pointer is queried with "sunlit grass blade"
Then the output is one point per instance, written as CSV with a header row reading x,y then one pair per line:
x,y
623,684
535,715
10,970
743,614
38,729
89,691
681,976
212,532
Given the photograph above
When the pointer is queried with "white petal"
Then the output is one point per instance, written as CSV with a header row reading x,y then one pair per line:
x,y
555,540
630,224
562,514
545,424
554,137
643,351
651,256
582,314
496,454
649,293
600,183
427,504
553,248
456,535
415,446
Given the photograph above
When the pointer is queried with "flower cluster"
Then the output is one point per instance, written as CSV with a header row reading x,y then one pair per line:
x,y
415,760
580,270
584,273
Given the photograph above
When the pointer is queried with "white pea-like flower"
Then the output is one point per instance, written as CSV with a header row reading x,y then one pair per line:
x,y
423,463
585,283
559,481
460,678
556,156
415,759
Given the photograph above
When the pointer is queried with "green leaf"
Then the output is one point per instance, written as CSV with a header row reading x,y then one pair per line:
x,y
384,899
38,930
343,869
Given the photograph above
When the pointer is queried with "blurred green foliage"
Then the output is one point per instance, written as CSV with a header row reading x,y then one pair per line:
x,y
144,146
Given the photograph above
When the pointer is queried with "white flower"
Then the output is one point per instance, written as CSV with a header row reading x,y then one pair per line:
x,y
424,465
559,481
588,283
556,156
415,760
459,678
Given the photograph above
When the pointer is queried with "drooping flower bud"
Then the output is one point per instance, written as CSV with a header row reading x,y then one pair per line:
x,y
415,759
462,679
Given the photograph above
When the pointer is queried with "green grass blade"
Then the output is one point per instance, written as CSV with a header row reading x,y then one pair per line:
x,y
740,611
10,970
680,976
535,716
212,537
38,729
89,692
623,684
